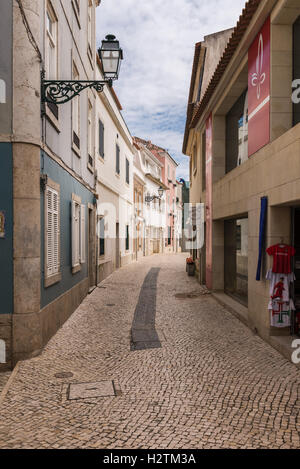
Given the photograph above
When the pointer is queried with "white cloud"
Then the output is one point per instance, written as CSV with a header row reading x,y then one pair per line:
x,y
158,39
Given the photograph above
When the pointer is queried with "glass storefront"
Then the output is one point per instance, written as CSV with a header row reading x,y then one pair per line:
x,y
236,259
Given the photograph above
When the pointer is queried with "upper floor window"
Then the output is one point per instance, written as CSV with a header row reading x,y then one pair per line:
x,y
117,159
203,156
101,139
90,136
237,133
76,113
90,25
127,171
51,55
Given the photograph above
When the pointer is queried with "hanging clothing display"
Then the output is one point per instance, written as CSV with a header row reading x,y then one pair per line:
x,y
282,254
281,304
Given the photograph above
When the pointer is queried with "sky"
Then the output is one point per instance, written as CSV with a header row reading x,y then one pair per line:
x,y
158,39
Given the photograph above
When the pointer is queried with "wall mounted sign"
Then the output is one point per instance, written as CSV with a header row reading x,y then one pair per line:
x,y
259,90
209,202
2,224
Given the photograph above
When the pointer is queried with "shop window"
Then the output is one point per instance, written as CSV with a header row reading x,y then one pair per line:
x,y
296,67
237,133
236,259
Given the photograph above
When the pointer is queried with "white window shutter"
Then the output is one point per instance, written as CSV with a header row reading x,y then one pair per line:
x,y
49,232
82,235
56,233
52,232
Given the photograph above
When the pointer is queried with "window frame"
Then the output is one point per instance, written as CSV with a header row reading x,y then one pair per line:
x,y
78,250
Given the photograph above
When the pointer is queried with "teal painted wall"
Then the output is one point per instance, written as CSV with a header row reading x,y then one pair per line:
x,y
6,243
68,186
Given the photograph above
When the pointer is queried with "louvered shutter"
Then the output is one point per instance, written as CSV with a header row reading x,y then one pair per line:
x,y
56,234
101,139
82,234
52,231
49,232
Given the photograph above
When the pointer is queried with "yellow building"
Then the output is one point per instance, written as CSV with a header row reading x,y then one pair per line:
x,y
243,139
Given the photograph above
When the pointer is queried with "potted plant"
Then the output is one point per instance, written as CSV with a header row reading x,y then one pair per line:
x,y
190,266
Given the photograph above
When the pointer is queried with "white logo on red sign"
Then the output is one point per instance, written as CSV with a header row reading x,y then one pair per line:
x,y
258,77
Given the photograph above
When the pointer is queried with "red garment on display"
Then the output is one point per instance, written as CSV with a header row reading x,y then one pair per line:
x,y
281,258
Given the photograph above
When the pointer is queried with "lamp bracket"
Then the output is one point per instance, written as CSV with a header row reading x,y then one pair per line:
x,y
62,91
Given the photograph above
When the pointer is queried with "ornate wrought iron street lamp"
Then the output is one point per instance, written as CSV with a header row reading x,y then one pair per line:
x,y
149,198
62,91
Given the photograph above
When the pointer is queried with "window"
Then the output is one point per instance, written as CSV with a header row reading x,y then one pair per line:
x,y
102,236
51,44
127,171
204,161
237,133
117,159
52,233
296,67
76,113
90,28
127,238
77,5
201,78
78,233
195,158
101,139
90,137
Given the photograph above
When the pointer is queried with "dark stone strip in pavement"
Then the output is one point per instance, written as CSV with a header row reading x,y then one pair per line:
x,y
143,333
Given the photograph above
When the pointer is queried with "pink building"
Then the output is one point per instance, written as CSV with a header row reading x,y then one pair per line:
x,y
169,179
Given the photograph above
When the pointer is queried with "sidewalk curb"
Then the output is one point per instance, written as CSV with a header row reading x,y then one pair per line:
x,y
8,384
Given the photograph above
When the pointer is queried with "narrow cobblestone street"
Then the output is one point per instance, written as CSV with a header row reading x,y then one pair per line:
x,y
211,384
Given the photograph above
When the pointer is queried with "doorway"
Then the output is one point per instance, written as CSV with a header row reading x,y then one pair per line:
x,y
295,323
92,249
117,245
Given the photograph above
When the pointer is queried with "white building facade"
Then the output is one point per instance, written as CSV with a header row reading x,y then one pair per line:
x,y
114,169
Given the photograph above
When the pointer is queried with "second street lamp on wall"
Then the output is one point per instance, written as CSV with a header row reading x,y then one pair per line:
x,y
149,198
62,91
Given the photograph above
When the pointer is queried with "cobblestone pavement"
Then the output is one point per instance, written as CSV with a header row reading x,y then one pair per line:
x,y
212,384
4,377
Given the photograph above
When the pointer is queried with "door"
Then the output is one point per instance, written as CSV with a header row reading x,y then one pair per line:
x,y
117,246
92,248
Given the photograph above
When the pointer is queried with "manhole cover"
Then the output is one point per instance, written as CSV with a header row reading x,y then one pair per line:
x,y
64,374
88,390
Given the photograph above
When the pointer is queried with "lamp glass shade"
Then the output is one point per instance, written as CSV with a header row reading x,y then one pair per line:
x,y
160,191
111,56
